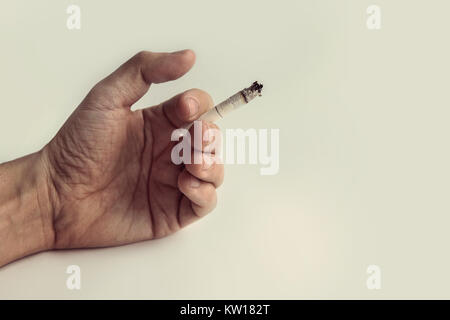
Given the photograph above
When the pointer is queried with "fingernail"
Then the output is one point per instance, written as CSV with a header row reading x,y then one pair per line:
x,y
192,106
195,183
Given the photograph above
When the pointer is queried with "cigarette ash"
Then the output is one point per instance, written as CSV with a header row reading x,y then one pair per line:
x,y
252,92
256,87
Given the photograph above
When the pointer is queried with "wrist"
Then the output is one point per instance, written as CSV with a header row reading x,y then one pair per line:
x,y
27,202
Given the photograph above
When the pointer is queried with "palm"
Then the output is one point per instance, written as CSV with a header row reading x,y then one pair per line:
x,y
120,165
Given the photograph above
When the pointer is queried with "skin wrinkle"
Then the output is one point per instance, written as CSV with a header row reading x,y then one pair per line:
x,y
40,204
156,201
91,223
22,208
160,159
135,189
52,200
105,210
164,112
130,225
91,195
79,238
106,185
85,152
178,215
149,173
165,213
65,155
163,183
162,212
194,208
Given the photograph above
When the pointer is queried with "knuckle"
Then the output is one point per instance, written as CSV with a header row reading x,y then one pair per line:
x,y
142,56
182,180
194,169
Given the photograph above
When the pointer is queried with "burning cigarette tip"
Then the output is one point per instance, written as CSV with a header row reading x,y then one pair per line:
x,y
256,87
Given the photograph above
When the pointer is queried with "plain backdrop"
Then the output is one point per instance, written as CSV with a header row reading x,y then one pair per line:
x,y
364,144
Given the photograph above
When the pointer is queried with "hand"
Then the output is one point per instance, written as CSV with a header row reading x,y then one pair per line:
x,y
111,175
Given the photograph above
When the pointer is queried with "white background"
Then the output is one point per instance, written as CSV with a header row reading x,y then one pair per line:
x,y
364,159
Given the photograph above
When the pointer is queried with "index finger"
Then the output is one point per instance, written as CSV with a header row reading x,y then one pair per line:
x,y
186,107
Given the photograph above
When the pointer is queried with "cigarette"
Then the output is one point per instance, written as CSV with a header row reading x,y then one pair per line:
x,y
232,103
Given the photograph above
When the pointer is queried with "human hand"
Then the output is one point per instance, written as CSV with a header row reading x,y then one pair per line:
x,y
110,171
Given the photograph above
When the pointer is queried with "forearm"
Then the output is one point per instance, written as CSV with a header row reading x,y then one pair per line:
x,y
26,209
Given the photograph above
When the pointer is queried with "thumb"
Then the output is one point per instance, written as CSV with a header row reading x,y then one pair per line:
x,y
132,80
